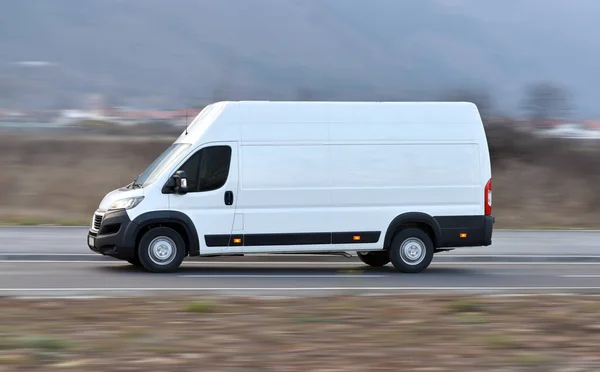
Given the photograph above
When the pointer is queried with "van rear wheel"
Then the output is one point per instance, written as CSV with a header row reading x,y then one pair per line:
x,y
411,250
375,259
161,250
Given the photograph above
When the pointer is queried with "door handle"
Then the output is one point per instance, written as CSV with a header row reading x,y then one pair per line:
x,y
228,197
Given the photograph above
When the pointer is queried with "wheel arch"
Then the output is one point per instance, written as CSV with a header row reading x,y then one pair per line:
x,y
178,221
414,219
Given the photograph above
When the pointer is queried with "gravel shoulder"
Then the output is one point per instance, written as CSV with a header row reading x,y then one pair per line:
x,y
341,333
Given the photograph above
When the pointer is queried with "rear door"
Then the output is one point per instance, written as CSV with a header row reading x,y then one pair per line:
x,y
212,173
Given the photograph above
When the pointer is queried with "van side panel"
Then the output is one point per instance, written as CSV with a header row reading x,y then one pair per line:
x,y
284,179
275,193
371,184
333,176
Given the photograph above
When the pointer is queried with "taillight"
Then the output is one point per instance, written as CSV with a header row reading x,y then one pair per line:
x,y
488,198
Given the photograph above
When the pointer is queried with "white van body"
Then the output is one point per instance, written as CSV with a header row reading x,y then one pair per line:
x,y
299,177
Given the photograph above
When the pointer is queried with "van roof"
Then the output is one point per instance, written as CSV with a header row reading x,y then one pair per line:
x,y
221,120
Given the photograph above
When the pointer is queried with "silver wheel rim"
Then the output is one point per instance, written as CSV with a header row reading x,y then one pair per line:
x,y
412,251
162,250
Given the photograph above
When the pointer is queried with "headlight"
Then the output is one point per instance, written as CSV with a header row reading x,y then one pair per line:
x,y
126,203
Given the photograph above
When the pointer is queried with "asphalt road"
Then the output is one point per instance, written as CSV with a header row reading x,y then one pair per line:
x,y
114,278
71,242
49,261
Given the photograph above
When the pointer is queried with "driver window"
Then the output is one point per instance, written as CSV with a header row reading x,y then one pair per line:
x,y
208,168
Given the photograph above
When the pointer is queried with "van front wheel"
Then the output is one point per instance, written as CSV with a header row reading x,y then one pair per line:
x,y
161,250
375,259
411,250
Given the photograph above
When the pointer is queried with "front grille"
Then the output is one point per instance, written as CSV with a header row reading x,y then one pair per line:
x,y
97,222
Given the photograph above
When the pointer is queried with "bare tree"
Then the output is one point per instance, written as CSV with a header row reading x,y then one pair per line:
x,y
545,101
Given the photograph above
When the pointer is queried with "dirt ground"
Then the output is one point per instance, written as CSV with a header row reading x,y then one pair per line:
x,y
61,179
342,333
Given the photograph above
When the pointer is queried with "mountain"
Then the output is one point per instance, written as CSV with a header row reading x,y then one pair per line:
x,y
181,52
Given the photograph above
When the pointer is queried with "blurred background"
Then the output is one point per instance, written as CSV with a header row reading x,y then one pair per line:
x,y
91,91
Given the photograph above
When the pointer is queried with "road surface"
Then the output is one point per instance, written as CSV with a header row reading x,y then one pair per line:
x,y
71,241
292,279
49,261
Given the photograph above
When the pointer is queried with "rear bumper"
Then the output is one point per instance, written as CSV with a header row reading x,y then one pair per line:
x,y
478,230
115,236
489,222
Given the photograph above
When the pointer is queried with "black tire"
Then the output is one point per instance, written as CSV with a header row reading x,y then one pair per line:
x,y
375,259
157,241
401,256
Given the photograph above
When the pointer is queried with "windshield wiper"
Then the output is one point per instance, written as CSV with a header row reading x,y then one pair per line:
x,y
134,183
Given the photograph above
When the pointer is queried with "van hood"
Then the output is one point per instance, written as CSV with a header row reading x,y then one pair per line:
x,y
117,194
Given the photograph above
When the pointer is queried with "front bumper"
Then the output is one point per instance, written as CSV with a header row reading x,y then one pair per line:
x,y
115,235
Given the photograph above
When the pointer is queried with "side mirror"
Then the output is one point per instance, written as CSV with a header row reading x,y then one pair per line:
x,y
181,185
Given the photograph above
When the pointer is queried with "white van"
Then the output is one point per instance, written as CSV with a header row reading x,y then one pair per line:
x,y
393,181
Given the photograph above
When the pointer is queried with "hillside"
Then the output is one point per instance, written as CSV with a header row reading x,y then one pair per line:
x,y
183,51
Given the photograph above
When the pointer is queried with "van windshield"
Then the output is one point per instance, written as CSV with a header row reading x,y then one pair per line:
x,y
155,169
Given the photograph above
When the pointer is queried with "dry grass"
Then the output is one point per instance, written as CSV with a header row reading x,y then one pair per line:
x,y
60,180
543,182
339,333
